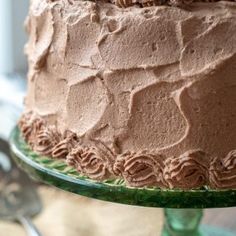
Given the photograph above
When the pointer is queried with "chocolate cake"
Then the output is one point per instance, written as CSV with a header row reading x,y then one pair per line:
x,y
143,91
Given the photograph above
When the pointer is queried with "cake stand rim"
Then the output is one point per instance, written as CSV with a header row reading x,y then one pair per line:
x,y
147,197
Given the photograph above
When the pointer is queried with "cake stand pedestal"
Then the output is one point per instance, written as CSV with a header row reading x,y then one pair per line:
x,y
183,209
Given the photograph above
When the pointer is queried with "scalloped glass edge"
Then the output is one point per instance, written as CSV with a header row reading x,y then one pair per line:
x,y
59,174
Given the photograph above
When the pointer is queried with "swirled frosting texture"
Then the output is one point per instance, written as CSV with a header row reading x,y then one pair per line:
x,y
191,170
141,169
223,171
91,162
187,171
158,79
148,3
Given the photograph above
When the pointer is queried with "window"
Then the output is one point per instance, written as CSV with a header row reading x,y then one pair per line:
x,y
13,66
12,36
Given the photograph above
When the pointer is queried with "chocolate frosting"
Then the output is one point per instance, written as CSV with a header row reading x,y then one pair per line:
x,y
156,80
65,146
191,170
30,127
223,172
145,3
46,140
90,162
141,169
26,126
187,171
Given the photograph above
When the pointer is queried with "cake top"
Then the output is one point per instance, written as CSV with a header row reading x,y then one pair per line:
x,y
149,3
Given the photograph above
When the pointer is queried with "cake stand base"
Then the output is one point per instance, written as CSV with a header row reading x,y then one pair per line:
x,y
183,208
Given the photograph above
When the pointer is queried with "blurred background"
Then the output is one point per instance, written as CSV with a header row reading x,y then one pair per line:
x,y
13,66
59,213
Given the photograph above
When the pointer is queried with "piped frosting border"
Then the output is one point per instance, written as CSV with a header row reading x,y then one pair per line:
x,y
150,3
193,169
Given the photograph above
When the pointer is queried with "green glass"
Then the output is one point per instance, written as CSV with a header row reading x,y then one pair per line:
x,y
183,211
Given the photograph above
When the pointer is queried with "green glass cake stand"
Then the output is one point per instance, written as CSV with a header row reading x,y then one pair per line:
x,y
183,209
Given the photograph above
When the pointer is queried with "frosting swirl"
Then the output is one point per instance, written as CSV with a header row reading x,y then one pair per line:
x,y
149,3
30,126
193,169
223,172
144,3
123,3
90,162
187,171
46,140
65,146
25,126
141,169
179,3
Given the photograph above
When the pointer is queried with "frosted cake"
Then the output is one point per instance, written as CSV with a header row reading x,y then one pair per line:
x,y
143,91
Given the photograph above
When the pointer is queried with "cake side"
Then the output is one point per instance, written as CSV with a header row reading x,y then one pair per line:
x,y
144,94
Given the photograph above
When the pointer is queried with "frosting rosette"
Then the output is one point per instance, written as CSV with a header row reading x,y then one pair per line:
x,y
46,140
187,171
149,3
65,146
90,162
25,126
223,172
141,169
30,126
